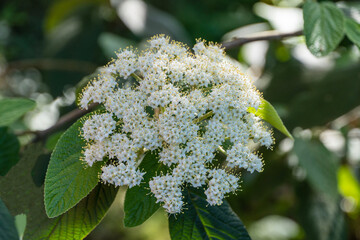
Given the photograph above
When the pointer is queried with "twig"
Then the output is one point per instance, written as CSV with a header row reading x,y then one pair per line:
x,y
203,117
63,121
267,35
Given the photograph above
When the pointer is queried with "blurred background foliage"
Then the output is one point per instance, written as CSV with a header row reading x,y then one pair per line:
x,y
309,188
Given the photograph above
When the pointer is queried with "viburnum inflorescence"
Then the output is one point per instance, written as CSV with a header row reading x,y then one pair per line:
x,y
183,104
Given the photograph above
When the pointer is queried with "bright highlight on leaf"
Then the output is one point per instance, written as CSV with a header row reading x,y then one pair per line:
x,y
268,113
349,186
13,108
323,27
20,223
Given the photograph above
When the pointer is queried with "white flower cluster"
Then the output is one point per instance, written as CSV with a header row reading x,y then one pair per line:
x,y
183,104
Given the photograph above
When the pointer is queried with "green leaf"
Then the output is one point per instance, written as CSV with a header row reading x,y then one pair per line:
x,y
7,225
9,150
201,221
68,179
62,9
81,219
140,203
320,166
352,30
268,113
21,195
20,223
19,192
323,27
349,186
13,108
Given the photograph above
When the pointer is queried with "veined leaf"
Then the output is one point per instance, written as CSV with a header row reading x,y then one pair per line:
x,y
13,108
81,219
268,113
9,150
7,224
201,221
68,179
140,203
323,27
352,30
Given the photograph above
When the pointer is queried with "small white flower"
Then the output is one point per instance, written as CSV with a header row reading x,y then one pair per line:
x,y
184,106
98,127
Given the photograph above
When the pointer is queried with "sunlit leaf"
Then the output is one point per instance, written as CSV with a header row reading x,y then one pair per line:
x,y
268,113
349,185
62,9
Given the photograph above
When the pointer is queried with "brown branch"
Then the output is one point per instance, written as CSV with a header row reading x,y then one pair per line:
x,y
63,121
267,35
